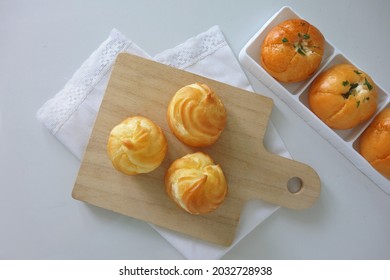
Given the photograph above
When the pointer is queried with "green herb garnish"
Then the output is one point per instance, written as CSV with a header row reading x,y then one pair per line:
x,y
349,92
346,95
285,40
345,83
304,36
357,72
353,86
300,50
367,84
357,103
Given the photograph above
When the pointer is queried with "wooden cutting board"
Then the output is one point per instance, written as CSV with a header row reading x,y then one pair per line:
x,y
142,87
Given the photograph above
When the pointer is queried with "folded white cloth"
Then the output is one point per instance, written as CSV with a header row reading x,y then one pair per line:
x,y
70,115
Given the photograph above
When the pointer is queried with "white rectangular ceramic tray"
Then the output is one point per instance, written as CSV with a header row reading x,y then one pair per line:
x,y
295,95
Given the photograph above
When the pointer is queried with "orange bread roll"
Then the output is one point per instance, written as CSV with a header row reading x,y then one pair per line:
x,y
136,145
196,184
375,143
343,96
196,115
292,51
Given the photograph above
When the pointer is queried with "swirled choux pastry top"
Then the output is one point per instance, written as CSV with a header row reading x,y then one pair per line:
x,y
292,51
375,143
196,184
196,115
343,96
136,145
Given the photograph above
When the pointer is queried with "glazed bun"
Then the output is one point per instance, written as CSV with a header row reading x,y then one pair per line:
x,y
196,184
343,96
196,115
292,51
375,143
136,145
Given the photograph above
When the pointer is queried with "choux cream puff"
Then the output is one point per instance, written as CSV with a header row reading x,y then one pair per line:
x,y
196,184
375,143
136,145
292,51
343,96
196,115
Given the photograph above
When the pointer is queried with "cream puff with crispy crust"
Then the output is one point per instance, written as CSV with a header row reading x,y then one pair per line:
x,y
136,145
196,115
196,184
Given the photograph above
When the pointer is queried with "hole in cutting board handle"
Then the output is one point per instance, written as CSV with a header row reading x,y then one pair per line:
x,y
294,184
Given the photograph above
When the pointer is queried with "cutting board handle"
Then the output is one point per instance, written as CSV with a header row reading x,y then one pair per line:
x,y
287,182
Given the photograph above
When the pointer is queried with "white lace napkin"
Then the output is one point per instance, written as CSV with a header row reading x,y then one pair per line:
x,y
70,115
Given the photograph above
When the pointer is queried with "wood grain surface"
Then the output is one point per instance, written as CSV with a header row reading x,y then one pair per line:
x,y
143,87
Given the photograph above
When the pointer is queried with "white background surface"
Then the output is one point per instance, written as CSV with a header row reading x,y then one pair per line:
x,y
44,42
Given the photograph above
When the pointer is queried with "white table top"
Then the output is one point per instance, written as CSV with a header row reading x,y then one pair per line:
x,y
44,42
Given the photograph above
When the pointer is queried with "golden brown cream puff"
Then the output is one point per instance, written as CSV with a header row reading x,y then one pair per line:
x,y
136,145
196,184
196,115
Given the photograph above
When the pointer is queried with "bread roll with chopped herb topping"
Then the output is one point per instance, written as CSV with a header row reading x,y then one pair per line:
x,y
343,96
375,143
292,51
136,145
196,184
